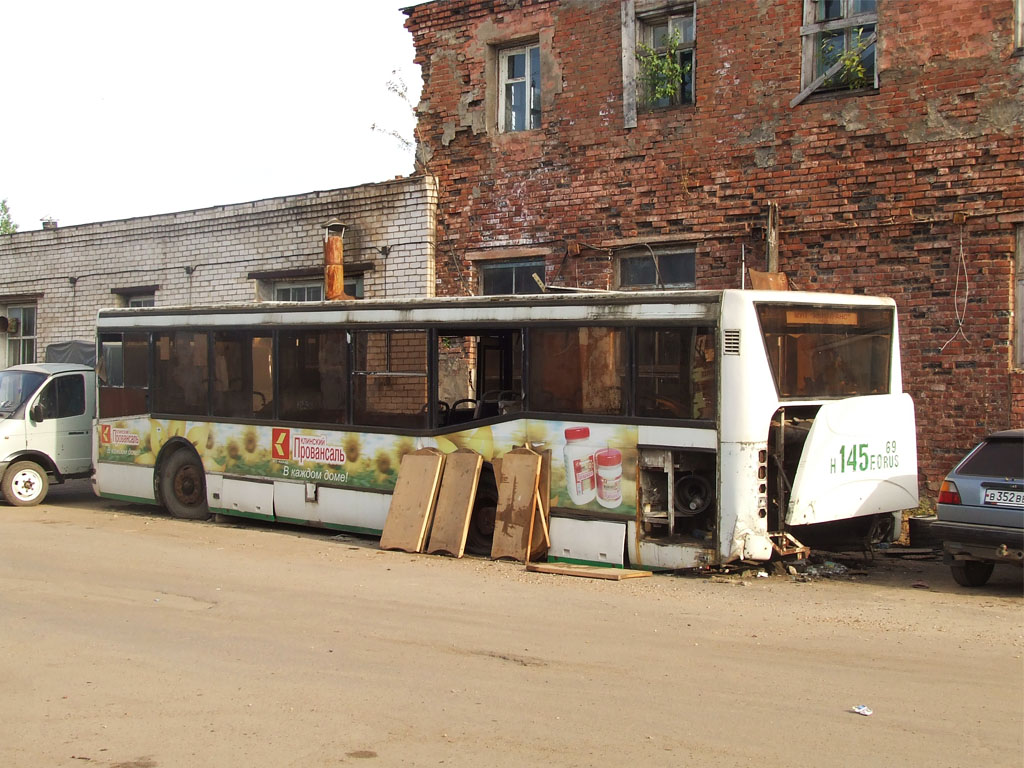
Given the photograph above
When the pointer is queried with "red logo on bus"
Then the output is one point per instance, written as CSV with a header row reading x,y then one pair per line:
x,y
280,443
105,433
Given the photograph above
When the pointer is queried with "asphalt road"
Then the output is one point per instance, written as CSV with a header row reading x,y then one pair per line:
x,y
133,640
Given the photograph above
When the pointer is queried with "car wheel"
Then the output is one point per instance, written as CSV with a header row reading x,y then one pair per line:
x,y
183,486
25,484
971,573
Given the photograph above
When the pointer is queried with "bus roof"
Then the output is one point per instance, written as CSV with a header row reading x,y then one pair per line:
x,y
476,310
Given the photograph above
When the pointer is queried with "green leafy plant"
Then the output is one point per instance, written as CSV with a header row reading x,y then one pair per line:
x,y
852,71
661,74
7,226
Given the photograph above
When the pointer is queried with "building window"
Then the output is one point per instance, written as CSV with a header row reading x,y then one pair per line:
x,y
21,334
137,296
839,45
311,291
519,88
657,269
661,36
512,277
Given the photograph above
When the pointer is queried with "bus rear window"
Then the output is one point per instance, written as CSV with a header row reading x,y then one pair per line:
x,y
827,351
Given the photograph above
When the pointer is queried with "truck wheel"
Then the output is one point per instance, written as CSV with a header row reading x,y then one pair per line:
x,y
183,486
971,573
25,483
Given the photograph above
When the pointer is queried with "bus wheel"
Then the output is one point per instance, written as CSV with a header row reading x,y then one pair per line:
x,y
25,483
480,536
183,486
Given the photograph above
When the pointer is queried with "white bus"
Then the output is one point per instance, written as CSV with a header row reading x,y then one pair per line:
x,y
686,429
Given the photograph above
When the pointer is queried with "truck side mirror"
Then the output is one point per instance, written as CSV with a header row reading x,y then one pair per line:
x,y
36,412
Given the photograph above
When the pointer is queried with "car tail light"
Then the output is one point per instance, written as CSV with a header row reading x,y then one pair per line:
x,y
948,493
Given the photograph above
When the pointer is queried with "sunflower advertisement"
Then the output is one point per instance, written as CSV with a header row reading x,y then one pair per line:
x,y
593,466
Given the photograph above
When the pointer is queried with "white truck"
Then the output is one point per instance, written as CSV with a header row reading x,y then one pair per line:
x,y
46,423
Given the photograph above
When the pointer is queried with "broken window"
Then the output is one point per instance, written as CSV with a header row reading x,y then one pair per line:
x,y
657,269
838,46
578,371
519,88
389,381
664,52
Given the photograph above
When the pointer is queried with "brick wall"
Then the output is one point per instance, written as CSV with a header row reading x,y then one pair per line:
x,y
221,246
913,190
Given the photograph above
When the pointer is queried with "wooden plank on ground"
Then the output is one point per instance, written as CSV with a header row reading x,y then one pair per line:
x,y
455,502
587,571
517,498
412,503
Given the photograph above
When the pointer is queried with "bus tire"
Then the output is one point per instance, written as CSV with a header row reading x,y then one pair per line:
x,y
183,486
480,536
25,484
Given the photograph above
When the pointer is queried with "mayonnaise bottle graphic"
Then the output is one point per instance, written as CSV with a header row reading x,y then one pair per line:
x,y
580,470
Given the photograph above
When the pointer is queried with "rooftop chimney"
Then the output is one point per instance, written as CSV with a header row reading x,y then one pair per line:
x,y
49,223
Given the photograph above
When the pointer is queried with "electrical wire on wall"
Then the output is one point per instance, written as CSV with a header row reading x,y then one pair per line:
x,y
961,313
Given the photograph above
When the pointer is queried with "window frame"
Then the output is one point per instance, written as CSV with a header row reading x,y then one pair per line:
x,y
646,25
658,254
17,340
812,79
537,265
531,78
1018,299
295,285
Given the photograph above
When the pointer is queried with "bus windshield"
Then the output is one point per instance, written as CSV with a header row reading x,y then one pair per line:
x,y
16,387
827,351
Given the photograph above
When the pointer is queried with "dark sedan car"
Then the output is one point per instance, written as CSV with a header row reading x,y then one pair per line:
x,y
981,509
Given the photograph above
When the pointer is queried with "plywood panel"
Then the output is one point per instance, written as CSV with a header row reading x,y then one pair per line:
x,y
518,477
455,502
587,571
412,503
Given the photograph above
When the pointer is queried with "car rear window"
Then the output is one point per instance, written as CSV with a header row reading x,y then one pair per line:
x,y
996,457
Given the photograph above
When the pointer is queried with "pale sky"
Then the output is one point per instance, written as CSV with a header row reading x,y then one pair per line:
x,y
113,109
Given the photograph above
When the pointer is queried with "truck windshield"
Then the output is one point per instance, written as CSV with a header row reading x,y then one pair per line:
x,y
16,387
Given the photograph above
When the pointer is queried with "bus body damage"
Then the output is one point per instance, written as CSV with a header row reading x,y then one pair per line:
x,y
859,459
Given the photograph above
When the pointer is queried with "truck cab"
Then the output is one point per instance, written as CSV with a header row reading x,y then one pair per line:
x,y
46,421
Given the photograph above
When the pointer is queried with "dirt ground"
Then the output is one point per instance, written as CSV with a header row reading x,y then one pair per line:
x,y
133,640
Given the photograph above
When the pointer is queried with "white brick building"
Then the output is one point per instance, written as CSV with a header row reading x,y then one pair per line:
x,y
53,281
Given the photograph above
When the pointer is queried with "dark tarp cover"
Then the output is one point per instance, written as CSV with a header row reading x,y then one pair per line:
x,y
81,352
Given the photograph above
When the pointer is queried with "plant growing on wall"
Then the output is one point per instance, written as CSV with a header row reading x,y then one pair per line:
x,y
852,71
660,72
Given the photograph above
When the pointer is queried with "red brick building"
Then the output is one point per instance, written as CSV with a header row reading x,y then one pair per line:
x,y
887,135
